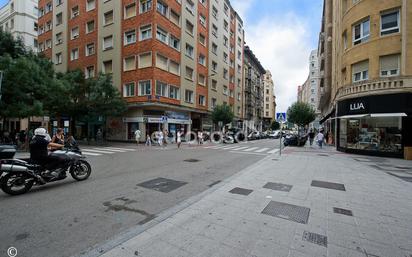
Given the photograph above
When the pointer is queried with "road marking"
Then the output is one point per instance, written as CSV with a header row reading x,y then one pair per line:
x,y
247,153
124,149
228,147
91,154
262,150
274,151
112,150
99,151
250,149
239,148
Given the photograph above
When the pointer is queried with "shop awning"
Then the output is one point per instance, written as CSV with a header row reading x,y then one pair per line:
x,y
400,114
353,116
332,112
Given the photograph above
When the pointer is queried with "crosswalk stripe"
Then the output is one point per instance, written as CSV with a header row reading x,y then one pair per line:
x,y
274,151
117,148
250,149
98,151
107,149
239,148
91,154
261,150
247,153
228,147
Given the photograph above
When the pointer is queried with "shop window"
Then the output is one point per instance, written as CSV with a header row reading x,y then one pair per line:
x,y
390,65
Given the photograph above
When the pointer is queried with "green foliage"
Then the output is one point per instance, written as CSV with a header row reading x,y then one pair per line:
x,y
301,114
275,125
11,46
222,113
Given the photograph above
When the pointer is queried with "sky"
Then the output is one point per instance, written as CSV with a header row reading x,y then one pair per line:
x,y
282,34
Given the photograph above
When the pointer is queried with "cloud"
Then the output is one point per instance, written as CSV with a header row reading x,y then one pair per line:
x,y
242,6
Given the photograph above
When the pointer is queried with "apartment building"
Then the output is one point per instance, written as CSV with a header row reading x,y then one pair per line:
x,y
366,87
168,58
269,101
254,92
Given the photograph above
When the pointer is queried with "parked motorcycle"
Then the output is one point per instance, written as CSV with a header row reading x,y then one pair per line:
x,y
294,140
17,176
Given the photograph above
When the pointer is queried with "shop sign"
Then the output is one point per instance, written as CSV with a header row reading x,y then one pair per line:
x,y
46,118
154,120
66,123
179,121
177,115
55,123
133,119
357,107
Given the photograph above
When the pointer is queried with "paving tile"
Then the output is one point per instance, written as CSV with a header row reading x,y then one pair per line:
x,y
264,248
337,251
381,250
345,241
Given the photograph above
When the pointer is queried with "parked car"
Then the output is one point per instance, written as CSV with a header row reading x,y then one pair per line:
x,y
237,134
275,134
293,139
254,135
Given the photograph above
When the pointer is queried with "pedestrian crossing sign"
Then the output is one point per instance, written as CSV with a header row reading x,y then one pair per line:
x,y
281,116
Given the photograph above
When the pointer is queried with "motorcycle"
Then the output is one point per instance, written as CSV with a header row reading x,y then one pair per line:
x,y
17,176
294,140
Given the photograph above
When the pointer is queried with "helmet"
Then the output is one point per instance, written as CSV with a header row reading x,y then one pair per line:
x,y
40,132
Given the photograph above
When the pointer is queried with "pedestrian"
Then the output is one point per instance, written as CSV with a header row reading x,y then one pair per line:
x,y
148,140
165,137
198,137
179,138
311,137
160,138
137,135
99,136
201,137
320,138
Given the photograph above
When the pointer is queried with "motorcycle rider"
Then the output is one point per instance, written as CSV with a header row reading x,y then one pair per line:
x,y
39,151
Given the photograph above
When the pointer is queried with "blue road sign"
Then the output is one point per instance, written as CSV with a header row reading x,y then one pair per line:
x,y
281,116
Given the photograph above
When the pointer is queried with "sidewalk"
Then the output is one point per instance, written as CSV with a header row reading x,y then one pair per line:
x,y
367,213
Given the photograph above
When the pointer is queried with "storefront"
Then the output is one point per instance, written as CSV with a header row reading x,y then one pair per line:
x,y
375,125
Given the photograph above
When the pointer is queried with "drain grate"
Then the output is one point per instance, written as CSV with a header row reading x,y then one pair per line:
x,y
240,191
342,211
278,186
162,184
329,185
191,160
315,238
287,211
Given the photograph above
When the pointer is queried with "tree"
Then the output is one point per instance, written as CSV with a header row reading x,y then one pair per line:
x,y
10,45
301,114
275,125
222,113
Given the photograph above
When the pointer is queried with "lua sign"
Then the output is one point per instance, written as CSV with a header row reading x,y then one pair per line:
x,y
358,107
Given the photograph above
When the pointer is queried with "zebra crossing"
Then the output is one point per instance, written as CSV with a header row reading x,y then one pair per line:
x,y
244,149
98,151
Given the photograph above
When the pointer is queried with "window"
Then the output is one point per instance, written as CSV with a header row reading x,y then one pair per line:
x,y
239,69
225,41
390,22
161,35
90,50
214,48
59,19
202,39
189,73
238,110
202,59
239,41
90,26
214,66
175,43
128,89
59,2
202,100
214,30
174,67
75,12
48,25
129,37
130,11
189,96
361,32
108,18
49,7
214,84
74,33
107,67
203,2
145,60
225,25
145,5
189,51
214,12
226,9
202,20
161,62
161,89
225,92
225,57
35,26
59,38
145,87
145,32
90,5
389,65
58,58
360,71
202,80
174,17
239,95
345,40
74,55
239,55
189,27
162,8
108,43
129,63
214,102
174,92
89,72
190,6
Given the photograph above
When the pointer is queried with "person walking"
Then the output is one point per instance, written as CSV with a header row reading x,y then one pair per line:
x,y
179,138
137,135
160,138
148,140
311,137
320,138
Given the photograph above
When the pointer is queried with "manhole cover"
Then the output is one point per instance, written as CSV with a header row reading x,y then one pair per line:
x,y
287,211
342,211
240,191
162,184
329,185
315,238
192,160
278,186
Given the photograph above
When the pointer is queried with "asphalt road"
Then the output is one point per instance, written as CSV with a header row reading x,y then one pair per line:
x,y
67,217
